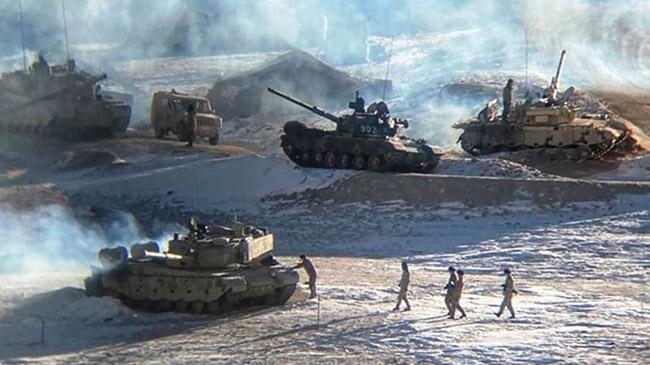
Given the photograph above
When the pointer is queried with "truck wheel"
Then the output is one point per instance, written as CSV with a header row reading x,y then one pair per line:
x,y
160,133
214,140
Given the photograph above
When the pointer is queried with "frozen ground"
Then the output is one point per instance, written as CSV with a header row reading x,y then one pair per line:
x,y
582,274
578,249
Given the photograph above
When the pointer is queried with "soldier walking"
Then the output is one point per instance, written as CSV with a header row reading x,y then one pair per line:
x,y
508,292
507,99
403,288
450,287
456,296
311,273
191,125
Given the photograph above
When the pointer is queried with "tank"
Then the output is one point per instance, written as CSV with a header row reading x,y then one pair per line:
x,y
59,101
211,269
365,139
549,121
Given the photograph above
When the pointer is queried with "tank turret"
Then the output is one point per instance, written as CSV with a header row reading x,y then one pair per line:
x,y
366,139
209,269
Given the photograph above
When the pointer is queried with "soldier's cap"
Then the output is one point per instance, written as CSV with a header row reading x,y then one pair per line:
x,y
303,256
506,271
451,268
460,272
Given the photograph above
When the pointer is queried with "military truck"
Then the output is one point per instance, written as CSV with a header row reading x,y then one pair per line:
x,y
366,139
169,114
210,269
59,101
549,121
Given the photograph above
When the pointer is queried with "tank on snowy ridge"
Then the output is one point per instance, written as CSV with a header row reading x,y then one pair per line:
x,y
366,139
548,122
211,269
59,101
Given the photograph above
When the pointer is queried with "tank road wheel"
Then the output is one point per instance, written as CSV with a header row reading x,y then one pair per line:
x,y
197,307
468,147
181,306
359,162
213,307
162,306
330,160
160,133
130,302
306,158
344,161
376,163
319,159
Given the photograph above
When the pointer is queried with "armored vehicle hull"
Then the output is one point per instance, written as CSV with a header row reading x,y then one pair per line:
x,y
59,101
210,271
150,285
311,147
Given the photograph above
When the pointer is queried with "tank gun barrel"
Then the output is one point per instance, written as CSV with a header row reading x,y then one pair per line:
x,y
558,72
311,108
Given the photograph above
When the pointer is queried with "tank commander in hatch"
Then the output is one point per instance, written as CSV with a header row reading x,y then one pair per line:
x,y
311,273
197,230
507,99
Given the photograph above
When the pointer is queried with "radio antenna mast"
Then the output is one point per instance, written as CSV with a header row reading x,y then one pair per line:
x,y
65,29
22,34
526,52
390,55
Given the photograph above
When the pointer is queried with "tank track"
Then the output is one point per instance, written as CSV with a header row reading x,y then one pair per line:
x,y
334,159
226,303
573,152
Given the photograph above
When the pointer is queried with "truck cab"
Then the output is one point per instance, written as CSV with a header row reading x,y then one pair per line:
x,y
169,114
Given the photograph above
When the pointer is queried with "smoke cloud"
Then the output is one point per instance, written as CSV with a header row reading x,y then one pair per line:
x,y
52,238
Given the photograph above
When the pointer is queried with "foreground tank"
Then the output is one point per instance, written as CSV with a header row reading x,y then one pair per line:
x,y
368,139
59,101
210,270
548,122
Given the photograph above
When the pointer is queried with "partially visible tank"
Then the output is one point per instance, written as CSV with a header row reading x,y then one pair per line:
x,y
366,139
59,101
547,122
209,270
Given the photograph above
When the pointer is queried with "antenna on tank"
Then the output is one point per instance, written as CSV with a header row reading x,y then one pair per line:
x,y
65,29
22,34
390,55
526,51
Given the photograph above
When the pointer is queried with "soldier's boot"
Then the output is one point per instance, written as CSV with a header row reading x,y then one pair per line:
x,y
408,305
498,314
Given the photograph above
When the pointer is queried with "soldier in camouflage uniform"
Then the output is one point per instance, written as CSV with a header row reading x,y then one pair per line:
x,y
508,292
450,287
311,273
403,288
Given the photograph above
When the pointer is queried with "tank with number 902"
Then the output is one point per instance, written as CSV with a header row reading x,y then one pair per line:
x,y
367,139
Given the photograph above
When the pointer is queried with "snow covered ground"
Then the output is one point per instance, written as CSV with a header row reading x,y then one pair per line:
x,y
582,275
579,250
